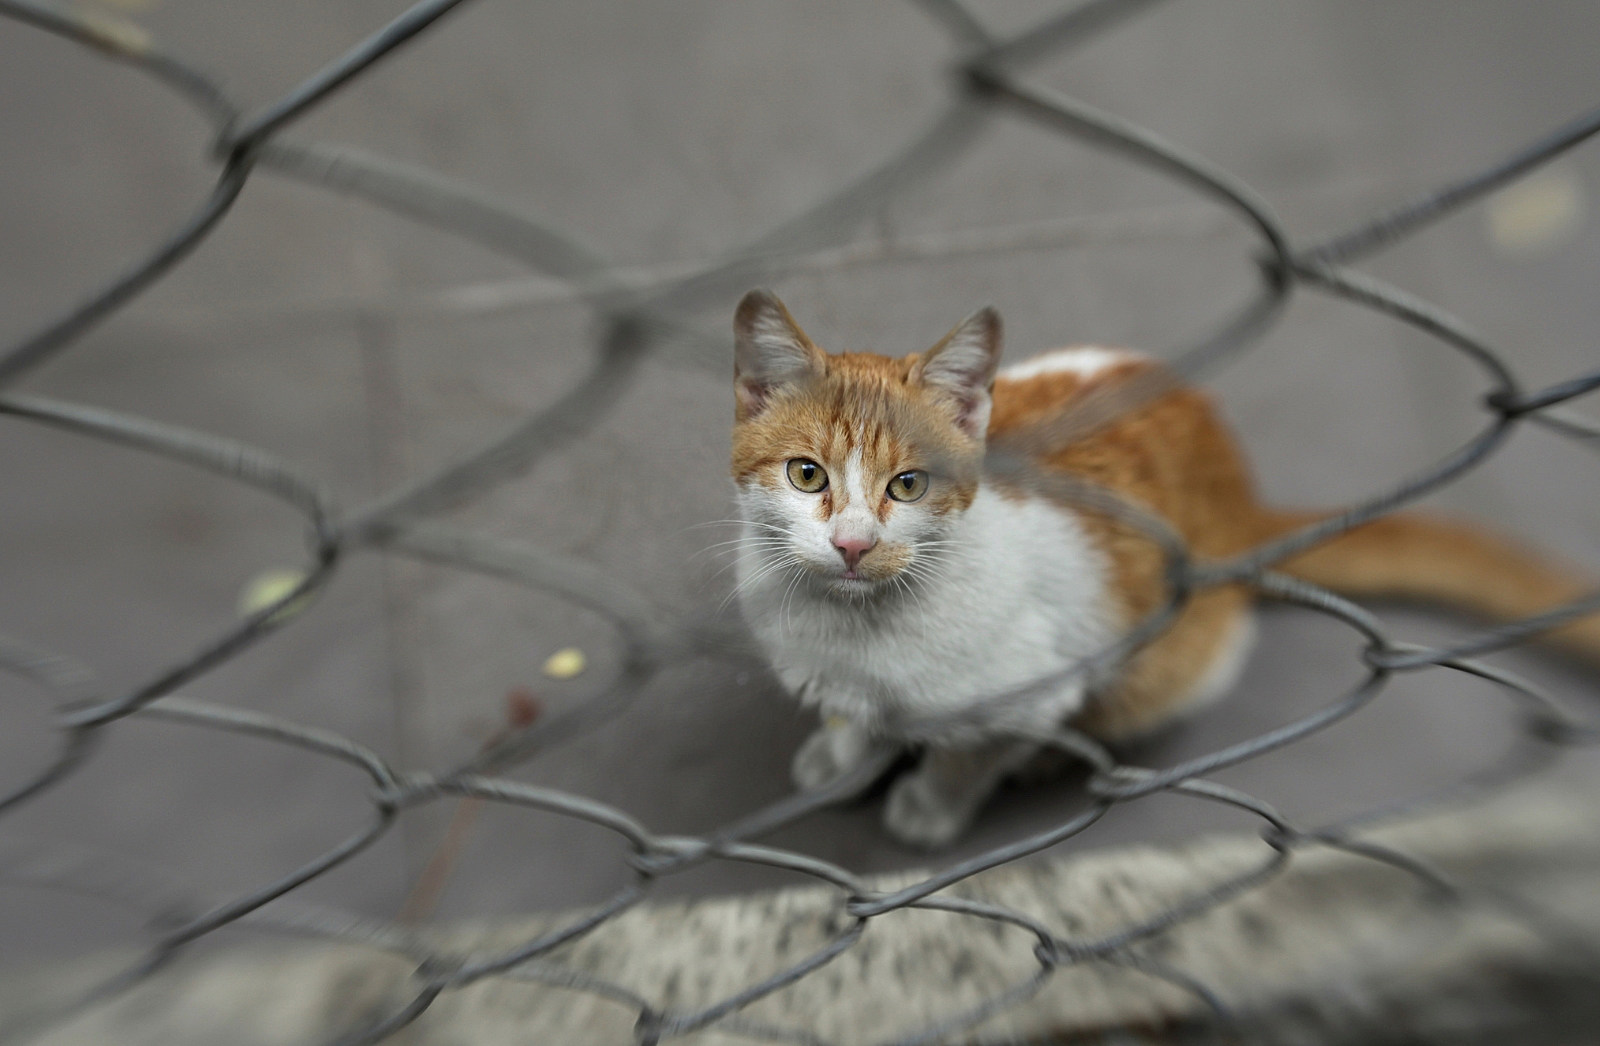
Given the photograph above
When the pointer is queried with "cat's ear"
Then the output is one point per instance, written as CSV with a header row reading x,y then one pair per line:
x,y
769,351
960,369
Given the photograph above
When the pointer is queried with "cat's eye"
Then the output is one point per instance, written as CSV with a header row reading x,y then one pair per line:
x,y
807,475
909,486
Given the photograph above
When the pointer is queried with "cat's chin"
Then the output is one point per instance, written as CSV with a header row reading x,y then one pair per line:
x,y
854,587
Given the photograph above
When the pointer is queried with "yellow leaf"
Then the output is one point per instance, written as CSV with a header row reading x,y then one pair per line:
x,y
564,664
269,587
1536,214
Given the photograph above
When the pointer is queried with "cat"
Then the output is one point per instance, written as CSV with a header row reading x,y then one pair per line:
x,y
919,603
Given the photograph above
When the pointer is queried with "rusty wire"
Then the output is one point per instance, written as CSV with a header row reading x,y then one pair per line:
x,y
637,321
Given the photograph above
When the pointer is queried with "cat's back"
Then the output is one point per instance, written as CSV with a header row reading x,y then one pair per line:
x,y
1114,417
1063,391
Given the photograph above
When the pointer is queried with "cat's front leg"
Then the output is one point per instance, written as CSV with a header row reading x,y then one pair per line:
x,y
933,804
833,751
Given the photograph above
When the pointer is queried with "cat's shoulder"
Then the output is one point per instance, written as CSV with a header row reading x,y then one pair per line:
x,y
1041,386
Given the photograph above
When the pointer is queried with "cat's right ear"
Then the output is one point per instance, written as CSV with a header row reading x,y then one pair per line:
x,y
960,369
769,351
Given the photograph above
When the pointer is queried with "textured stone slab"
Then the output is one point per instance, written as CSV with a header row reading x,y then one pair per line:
x,y
1339,948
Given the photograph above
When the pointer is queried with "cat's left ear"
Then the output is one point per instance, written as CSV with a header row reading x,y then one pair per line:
x,y
960,369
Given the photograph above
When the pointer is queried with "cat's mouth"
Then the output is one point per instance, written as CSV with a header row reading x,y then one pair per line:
x,y
852,583
839,578
858,581
867,574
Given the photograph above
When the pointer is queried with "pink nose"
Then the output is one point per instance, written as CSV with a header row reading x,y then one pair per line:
x,y
852,549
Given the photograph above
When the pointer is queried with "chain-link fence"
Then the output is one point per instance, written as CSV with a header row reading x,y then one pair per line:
x,y
638,318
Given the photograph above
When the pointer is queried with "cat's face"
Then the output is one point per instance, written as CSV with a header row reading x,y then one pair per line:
x,y
854,467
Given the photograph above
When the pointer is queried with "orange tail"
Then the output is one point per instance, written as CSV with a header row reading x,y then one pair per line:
x,y
1414,556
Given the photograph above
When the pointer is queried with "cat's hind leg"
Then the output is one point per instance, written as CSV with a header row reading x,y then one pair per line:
x,y
933,804
1196,661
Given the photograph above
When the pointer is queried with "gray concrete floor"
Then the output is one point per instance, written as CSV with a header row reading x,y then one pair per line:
x,y
663,134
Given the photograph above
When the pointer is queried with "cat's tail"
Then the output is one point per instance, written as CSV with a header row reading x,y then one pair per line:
x,y
1419,557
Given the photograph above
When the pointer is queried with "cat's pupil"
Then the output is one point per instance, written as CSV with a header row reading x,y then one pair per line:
x,y
907,480
807,471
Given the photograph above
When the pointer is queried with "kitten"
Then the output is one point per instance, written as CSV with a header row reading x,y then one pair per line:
x,y
916,601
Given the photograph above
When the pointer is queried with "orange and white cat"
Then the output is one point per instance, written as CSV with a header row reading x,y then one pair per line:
x,y
917,602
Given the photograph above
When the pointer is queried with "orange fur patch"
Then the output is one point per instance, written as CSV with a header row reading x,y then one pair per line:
x,y
867,405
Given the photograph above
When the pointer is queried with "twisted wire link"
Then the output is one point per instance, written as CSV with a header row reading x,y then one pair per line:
x,y
639,321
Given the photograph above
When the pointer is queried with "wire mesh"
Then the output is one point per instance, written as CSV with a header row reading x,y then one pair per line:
x,y
637,319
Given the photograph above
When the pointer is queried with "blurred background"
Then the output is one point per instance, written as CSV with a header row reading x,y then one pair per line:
x,y
370,350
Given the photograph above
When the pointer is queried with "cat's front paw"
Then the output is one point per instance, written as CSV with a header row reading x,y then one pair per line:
x,y
829,754
918,815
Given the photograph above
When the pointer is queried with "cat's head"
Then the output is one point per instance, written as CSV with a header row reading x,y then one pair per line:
x,y
854,467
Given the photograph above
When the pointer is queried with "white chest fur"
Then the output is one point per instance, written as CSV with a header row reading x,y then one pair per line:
x,y
1016,599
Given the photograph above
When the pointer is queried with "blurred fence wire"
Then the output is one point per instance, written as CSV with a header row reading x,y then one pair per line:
x,y
638,318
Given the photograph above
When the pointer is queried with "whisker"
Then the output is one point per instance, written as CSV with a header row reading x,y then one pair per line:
x,y
800,572
739,522
765,571
911,594
723,569
723,548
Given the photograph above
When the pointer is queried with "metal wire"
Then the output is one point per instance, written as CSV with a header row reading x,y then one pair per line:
x,y
636,323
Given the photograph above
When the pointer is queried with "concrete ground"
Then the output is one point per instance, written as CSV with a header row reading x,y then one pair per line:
x,y
317,327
